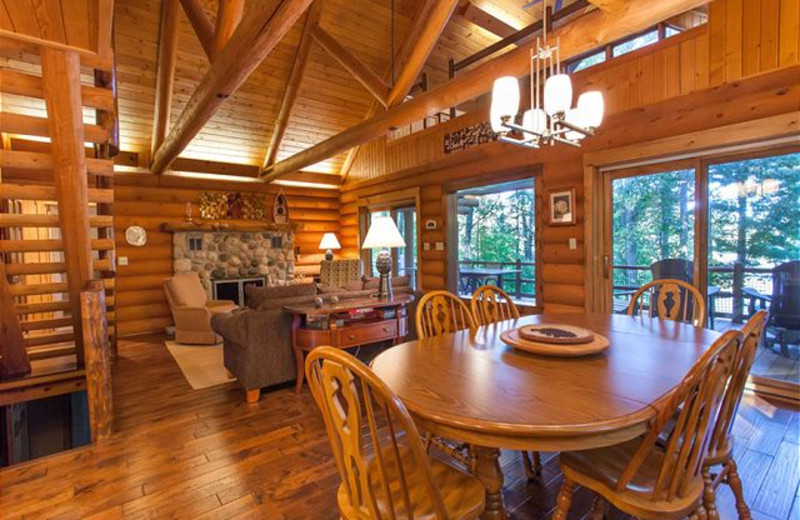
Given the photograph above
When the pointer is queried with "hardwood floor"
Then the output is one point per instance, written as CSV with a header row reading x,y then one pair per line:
x,y
206,454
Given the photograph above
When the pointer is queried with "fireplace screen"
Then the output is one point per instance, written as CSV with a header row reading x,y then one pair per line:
x,y
233,289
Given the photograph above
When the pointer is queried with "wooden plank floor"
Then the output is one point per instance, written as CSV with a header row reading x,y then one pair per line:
x,y
205,454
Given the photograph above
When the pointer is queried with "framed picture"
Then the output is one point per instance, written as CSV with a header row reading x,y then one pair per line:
x,y
562,207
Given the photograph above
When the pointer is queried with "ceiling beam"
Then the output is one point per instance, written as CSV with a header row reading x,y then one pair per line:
x,y
165,74
611,6
409,40
433,23
371,81
293,84
229,14
486,21
201,24
584,34
254,39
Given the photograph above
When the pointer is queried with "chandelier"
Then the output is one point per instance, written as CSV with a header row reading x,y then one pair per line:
x,y
551,118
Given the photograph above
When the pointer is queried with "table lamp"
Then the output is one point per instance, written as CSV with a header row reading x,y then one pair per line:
x,y
329,242
383,233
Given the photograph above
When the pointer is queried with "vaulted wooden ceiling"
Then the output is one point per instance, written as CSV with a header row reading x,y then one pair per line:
x,y
329,99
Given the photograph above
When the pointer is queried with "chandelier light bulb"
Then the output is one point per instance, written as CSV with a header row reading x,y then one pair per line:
x,y
505,97
591,107
575,118
557,94
535,120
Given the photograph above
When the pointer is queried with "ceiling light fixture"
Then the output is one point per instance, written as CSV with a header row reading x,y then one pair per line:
x,y
551,118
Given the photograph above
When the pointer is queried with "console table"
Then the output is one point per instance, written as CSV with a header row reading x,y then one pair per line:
x,y
350,322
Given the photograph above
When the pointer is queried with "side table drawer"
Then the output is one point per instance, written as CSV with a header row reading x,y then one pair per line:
x,y
369,333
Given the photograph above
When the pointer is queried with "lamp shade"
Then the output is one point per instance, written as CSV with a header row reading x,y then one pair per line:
x,y
557,94
329,241
535,119
505,97
574,117
591,107
383,232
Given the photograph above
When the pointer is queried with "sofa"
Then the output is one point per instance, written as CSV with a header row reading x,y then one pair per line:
x,y
257,340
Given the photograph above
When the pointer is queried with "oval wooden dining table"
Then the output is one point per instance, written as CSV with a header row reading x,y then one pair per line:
x,y
472,387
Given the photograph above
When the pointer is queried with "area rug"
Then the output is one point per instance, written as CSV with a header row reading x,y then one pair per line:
x,y
202,365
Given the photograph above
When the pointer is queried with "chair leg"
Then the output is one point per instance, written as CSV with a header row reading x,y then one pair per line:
x,y
599,508
735,483
252,395
699,514
564,500
533,469
709,495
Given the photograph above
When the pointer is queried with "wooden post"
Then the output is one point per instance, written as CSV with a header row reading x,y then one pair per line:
x,y
62,93
97,360
165,74
738,296
13,357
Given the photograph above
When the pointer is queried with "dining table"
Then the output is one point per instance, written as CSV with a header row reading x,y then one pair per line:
x,y
470,386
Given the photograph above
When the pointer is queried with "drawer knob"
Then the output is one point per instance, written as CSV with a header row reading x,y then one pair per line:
x,y
352,336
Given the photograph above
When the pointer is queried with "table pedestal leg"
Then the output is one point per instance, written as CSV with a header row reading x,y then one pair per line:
x,y
488,472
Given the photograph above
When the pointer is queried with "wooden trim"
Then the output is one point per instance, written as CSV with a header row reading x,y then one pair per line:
x,y
252,42
28,85
363,74
38,126
293,84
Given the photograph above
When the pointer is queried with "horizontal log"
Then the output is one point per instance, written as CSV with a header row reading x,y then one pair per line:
x,y
29,85
37,126
34,161
46,324
47,339
47,221
48,193
14,246
38,308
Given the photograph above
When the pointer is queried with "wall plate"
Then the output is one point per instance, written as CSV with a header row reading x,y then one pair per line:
x,y
430,224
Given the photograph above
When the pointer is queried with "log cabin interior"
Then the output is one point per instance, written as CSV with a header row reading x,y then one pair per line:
x,y
373,259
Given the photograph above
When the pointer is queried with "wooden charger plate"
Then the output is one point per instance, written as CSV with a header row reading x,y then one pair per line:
x,y
597,344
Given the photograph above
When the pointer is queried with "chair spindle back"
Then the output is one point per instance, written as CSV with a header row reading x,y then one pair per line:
x,y
670,299
491,304
379,453
696,403
441,312
751,337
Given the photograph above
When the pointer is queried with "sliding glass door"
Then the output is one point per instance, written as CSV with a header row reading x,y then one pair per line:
x,y
728,225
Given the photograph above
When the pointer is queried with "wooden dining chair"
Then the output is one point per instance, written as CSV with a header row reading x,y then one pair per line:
x,y
441,312
720,450
491,304
644,479
670,299
385,471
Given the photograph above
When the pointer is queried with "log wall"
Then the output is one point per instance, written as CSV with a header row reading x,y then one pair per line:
x,y
148,201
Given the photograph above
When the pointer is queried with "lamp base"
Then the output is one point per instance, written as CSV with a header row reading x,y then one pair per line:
x,y
329,255
384,265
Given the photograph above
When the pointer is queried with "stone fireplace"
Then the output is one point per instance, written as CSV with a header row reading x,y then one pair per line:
x,y
231,255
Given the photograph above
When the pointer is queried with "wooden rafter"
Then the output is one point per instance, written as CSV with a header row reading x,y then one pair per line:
x,y
574,38
484,20
293,84
612,6
165,74
371,81
229,14
409,41
434,21
254,39
201,24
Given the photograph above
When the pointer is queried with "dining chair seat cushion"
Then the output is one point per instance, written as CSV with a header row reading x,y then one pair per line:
x,y
600,469
462,494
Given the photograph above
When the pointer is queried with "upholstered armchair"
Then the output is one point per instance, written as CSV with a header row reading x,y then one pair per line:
x,y
192,310
339,273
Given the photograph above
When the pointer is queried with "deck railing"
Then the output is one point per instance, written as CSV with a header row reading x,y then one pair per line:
x,y
731,280
520,284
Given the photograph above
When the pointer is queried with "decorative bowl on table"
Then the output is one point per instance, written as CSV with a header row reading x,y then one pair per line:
x,y
555,340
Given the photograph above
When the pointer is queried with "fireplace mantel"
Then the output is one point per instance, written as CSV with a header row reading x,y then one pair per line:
x,y
214,226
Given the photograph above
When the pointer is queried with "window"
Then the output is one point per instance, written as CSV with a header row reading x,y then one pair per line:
x,y
633,44
404,259
588,61
195,243
496,242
